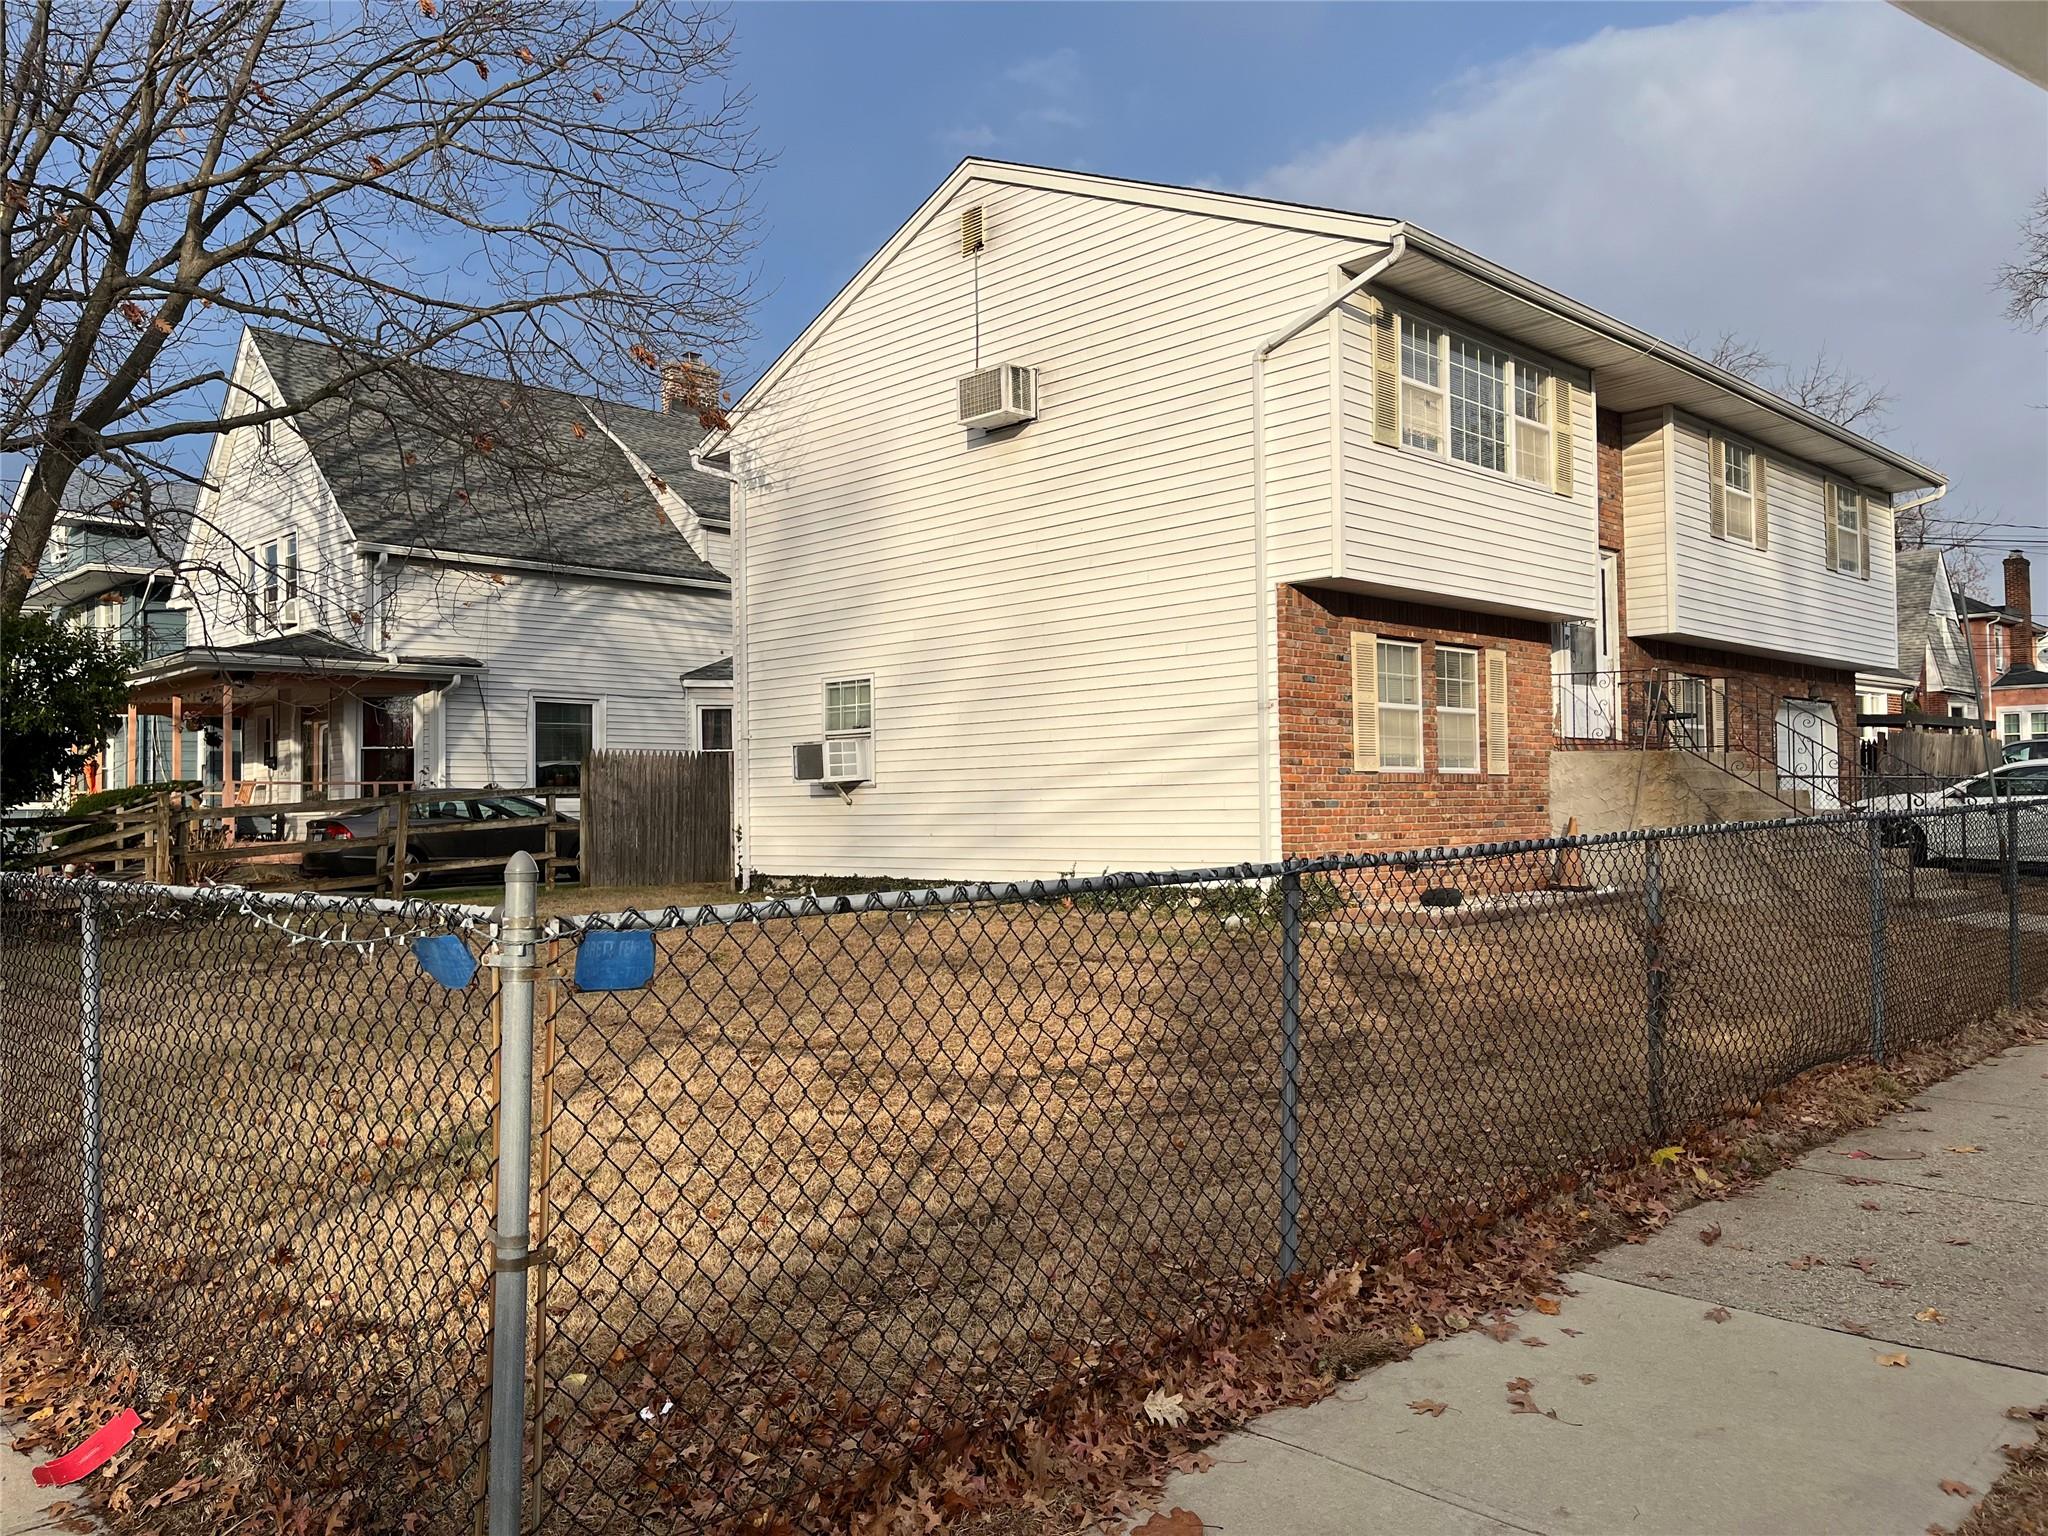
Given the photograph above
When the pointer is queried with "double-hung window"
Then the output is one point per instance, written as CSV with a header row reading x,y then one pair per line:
x,y
1457,709
1738,491
1852,544
564,731
1400,704
1462,399
849,728
1422,386
1532,424
270,582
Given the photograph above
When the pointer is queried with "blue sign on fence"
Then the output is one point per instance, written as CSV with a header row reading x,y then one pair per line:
x,y
614,962
445,958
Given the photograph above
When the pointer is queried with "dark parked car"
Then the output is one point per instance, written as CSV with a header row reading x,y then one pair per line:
x,y
439,832
2033,750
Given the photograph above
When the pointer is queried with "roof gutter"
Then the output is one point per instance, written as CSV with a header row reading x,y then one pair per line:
x,y
1262,626
549,567
1549,301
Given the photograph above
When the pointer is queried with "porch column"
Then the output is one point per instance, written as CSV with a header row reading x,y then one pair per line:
x,y
133,721
177,736
227,747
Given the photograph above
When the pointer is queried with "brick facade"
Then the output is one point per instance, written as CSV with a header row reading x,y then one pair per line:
x,y
1328,807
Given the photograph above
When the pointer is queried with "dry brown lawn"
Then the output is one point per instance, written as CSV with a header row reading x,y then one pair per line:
x,y
832,1183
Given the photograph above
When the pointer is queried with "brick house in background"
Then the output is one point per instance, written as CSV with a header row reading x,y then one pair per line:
x,y
2003,655
1097,523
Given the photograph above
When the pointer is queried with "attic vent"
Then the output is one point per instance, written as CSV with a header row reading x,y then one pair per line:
x,y
970,231
1000,396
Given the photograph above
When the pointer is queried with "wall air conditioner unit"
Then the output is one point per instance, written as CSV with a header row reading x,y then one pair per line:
x,y
294,615
841,760
1000,396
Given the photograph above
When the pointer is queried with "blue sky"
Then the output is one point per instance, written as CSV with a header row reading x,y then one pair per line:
x,y
1835,176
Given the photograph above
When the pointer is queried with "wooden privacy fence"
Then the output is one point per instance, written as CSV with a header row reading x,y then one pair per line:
x,y
172,841
657,818
1918,756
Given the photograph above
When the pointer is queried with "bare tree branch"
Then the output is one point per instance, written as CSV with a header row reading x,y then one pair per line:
x,y
546,192
2026,281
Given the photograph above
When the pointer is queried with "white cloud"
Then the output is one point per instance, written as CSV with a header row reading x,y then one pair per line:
x,y
1055,74
1841,176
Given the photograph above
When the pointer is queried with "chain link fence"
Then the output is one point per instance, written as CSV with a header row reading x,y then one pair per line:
x,y
815,1183
250,1134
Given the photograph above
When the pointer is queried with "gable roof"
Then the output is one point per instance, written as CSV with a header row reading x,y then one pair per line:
x,y
1926,639
1976,608
511,473
719,671
2021,674
1636,368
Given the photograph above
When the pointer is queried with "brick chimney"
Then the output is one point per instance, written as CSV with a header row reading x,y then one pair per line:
x,y
2019,599
689,385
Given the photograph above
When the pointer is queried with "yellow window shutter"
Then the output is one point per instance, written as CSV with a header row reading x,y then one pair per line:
x,y
1759,477
1863,523
1365,703
1717,488
1497,712
1834,527
1561,434
1386,375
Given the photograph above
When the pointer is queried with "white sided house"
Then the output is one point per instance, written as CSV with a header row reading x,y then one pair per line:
x,y
373,604
1104,524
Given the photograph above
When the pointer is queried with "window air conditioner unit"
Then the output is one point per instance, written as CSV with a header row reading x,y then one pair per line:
x,y
836,760
1000,396
294,615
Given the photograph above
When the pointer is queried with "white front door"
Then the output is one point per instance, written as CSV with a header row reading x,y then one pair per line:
x,y
1582,665
1809,757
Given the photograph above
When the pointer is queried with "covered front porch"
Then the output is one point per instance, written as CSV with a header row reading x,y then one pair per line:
x,y
296,717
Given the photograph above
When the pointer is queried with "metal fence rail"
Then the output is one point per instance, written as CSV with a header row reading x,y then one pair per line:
x,y
814,1181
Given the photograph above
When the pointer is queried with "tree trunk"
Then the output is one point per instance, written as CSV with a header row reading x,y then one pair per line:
x,y
29,533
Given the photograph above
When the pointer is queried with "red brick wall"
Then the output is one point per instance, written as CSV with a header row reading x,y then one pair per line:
x,y
1327,807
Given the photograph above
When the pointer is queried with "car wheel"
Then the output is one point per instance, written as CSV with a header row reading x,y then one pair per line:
x,y
413,869
1916,839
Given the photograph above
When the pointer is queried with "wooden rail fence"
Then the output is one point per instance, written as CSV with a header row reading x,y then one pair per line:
x,y
172,841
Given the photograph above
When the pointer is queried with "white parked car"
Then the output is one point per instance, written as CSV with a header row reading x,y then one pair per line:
x,y
1973,831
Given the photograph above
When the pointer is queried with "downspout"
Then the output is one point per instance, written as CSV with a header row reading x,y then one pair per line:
x,y
742,789
1268,736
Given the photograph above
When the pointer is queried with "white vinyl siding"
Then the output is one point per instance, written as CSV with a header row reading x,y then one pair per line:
x,y
1419,524
618,645
1059,621
265,502
1457,709
1399,673
1782,599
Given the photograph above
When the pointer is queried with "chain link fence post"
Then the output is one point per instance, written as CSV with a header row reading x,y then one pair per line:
x,y
1874,842
92,1188
1290,1072
2012,902
518,937
1656,983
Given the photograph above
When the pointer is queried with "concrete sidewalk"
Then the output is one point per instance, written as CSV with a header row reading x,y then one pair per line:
x,y
1791,1415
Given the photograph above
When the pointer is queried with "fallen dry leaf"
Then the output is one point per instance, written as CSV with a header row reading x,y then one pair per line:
x,y
1865,1265
1930,1315
1898,1360
1168,1409
1862,1330
1536,1343
1869,1205
1571,1333
1589,1378
1965,1151
1957,1242
2038,1414
1960,1490
1716,1314
1805,1262
1175,1522
1500,1328
1430,1406
1548,1306
1711,1235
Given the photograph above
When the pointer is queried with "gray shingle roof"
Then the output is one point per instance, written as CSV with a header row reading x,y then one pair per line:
x,y
719,671
2021,675
1924,637
499,471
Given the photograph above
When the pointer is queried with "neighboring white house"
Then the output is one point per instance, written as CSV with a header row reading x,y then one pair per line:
x,y
1100,523
371,604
